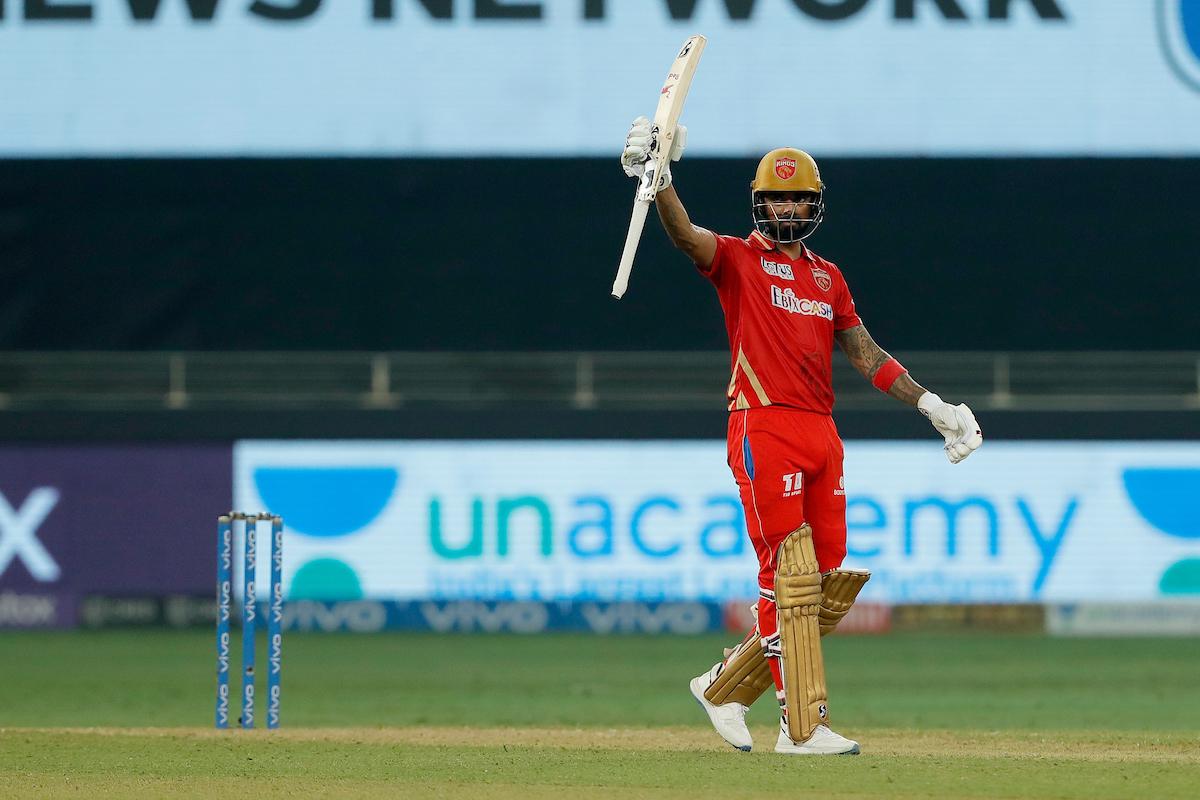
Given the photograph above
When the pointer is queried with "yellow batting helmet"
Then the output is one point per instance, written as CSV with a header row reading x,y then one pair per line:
x,y
787,170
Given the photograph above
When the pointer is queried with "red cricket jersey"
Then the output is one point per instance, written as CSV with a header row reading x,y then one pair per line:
x,y
780,315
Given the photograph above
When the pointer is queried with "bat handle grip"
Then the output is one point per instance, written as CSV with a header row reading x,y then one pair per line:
x,y
636,223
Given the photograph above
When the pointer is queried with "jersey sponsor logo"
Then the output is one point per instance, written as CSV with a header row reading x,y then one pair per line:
x,y
785,167
778,270
841,490
787,300
793,484
822,278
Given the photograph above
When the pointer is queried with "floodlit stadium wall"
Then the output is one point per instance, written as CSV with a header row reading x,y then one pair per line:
x,y
591,535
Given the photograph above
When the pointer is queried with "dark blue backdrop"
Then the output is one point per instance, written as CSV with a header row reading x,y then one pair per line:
x,y
492,254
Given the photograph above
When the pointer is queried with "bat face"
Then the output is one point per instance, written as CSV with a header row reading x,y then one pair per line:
x,y
679,80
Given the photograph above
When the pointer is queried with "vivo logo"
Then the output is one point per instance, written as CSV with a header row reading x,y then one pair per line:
x,y
223,704
358,616
223,655
473,616
689,618
224,601
250,613
248,705
273,707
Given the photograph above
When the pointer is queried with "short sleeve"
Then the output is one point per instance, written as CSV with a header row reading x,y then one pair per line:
x,y
844,314
721,259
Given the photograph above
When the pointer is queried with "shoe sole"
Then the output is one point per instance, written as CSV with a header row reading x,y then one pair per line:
x,y
853,751
700,702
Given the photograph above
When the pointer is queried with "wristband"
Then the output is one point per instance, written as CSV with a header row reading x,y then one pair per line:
x,y
887,375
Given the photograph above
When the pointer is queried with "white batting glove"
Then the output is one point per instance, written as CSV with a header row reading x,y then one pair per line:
x,y
638,144
956,424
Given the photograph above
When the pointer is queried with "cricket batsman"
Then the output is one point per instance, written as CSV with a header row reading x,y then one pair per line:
x,y
784,307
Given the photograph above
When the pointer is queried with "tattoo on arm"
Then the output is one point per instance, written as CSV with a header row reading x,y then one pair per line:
x,y
867,357
906,390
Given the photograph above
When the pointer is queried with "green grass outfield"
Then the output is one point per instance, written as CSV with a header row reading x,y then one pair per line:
x,y
125,714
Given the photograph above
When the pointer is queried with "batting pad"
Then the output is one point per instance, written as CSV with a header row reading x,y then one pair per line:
x,y
798,598
839,589
745,676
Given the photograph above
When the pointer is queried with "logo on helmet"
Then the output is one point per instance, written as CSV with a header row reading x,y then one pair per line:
x,y
1179,37
822,278
785,167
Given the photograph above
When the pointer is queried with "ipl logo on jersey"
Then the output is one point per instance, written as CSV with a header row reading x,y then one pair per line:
x,y
1179,35
785,167
822,278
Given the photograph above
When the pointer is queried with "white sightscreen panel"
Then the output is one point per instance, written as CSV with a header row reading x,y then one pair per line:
x,y
1114,77
661,520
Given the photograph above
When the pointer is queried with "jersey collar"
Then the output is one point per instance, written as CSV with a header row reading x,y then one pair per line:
x,y
766,245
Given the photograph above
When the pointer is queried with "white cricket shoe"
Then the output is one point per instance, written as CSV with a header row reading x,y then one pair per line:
x,y
729,719
823,742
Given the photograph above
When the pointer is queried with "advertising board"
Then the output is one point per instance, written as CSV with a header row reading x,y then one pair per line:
x,y
564,77
647,521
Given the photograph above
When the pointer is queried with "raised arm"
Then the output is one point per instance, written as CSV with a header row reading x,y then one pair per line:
x,y
957,424
699,244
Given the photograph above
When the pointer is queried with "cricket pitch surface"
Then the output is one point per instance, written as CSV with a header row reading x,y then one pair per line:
x,y
128,714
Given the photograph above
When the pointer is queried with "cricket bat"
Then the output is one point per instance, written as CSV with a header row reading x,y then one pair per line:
x,y
666,117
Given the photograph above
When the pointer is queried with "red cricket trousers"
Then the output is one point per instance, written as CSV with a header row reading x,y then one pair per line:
x,y
788,468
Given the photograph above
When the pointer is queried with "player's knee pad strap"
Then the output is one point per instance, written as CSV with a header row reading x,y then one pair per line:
x,y
745,675
798,598
839,588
